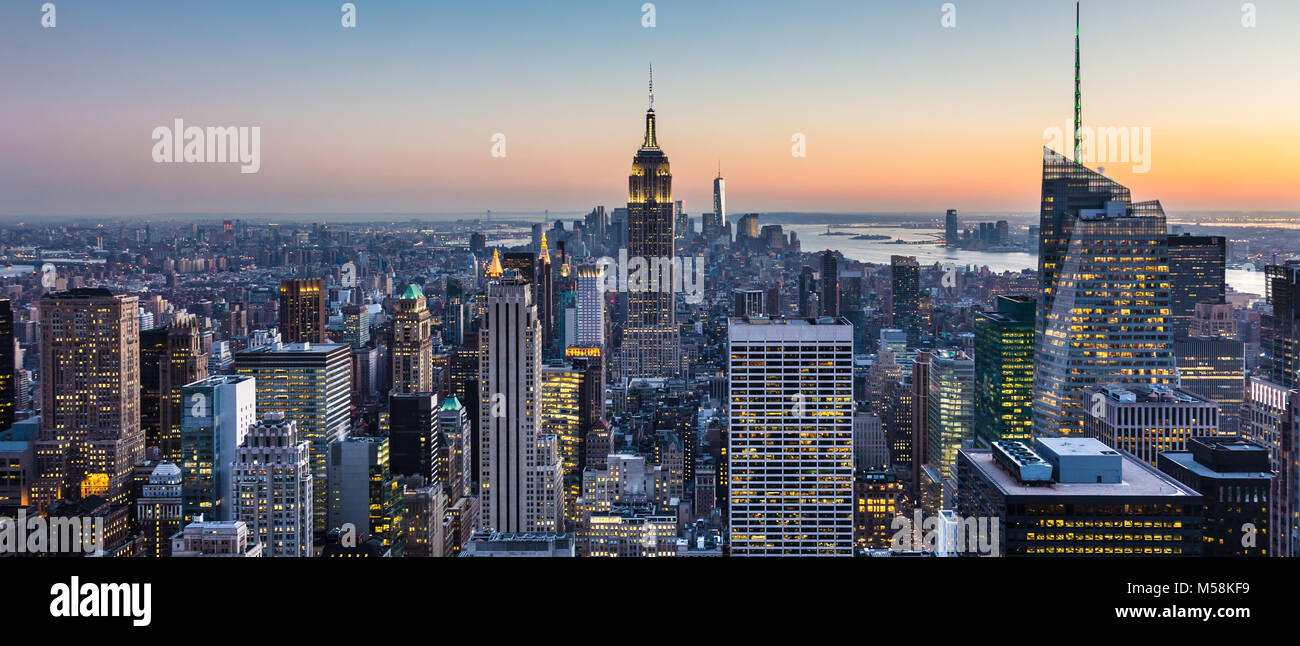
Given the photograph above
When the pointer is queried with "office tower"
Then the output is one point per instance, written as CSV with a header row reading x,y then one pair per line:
x,y
720,199
830,284
356,325
90,437
790,439
153,353
895,341
310,383
1214,368
158,511
561,416
8,367
1077,497
519,468
302,310
897,420
412,344
364,495
876,497
1272,420
591,306
1214,320
454,428
630,530
951,408
747,302
1004,371
1280,331
424,507
1104,322
950,235
905,296
546,296
870,450
746,227
1234,478
415,443
216,539
274,486
1196,274
773,304
807,285
920,415
1147,420
651,347
216,415
185,361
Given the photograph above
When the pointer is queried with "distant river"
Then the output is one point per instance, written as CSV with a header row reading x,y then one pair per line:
x,y
812,237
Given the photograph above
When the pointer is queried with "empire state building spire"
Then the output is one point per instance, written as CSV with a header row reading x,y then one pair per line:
x,y
650,143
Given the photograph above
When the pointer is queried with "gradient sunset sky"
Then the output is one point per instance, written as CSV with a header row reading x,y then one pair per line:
x,y
397,115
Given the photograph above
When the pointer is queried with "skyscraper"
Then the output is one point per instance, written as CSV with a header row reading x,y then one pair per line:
x,y
1280,333
790,441
1004,371
8,369
90,437
520,487
415,443
412,344
720,199
950,235
1147,420
830,284
159,509
651,347
1214,368
747,302
1272,420
1234,477
216,414
302,310
1196,272
906,296
310,383
1105,319
950,408
185,361
807,285
591,306
363,492
274,487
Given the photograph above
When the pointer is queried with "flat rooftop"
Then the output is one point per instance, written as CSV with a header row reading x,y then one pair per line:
x,y
1136,479
1188,461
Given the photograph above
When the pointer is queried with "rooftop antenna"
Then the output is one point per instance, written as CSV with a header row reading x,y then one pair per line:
x,y
1078,96
652,87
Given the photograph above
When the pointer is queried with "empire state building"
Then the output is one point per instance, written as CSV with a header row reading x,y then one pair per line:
x,y
651,347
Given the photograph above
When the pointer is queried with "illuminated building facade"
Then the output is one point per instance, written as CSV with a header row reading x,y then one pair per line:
x,y
561,416
1104,311
1234,477
1280,332
1214,368
8,369
1077,497
651,346
454,428
412,344
1147,420
629,531
158,511
1273,421
591,306
876,497
90,437
302,310
217,413
905,296
790,439
274,487
1196,274
519,468
364,494
1004,371
950,406
311,384
185,361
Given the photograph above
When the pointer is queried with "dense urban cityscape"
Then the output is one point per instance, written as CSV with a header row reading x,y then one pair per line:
x,y
638,381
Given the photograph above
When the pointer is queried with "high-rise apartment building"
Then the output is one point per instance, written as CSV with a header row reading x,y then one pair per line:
x,y
790,440
310,383
274,487
90,437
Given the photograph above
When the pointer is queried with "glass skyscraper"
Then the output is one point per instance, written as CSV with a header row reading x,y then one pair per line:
x,y
1004,371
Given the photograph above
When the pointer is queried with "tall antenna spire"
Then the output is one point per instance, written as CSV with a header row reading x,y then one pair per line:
x,y
652,86
1078,96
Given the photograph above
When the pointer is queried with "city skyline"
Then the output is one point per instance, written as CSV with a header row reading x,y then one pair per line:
x,y
382,119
